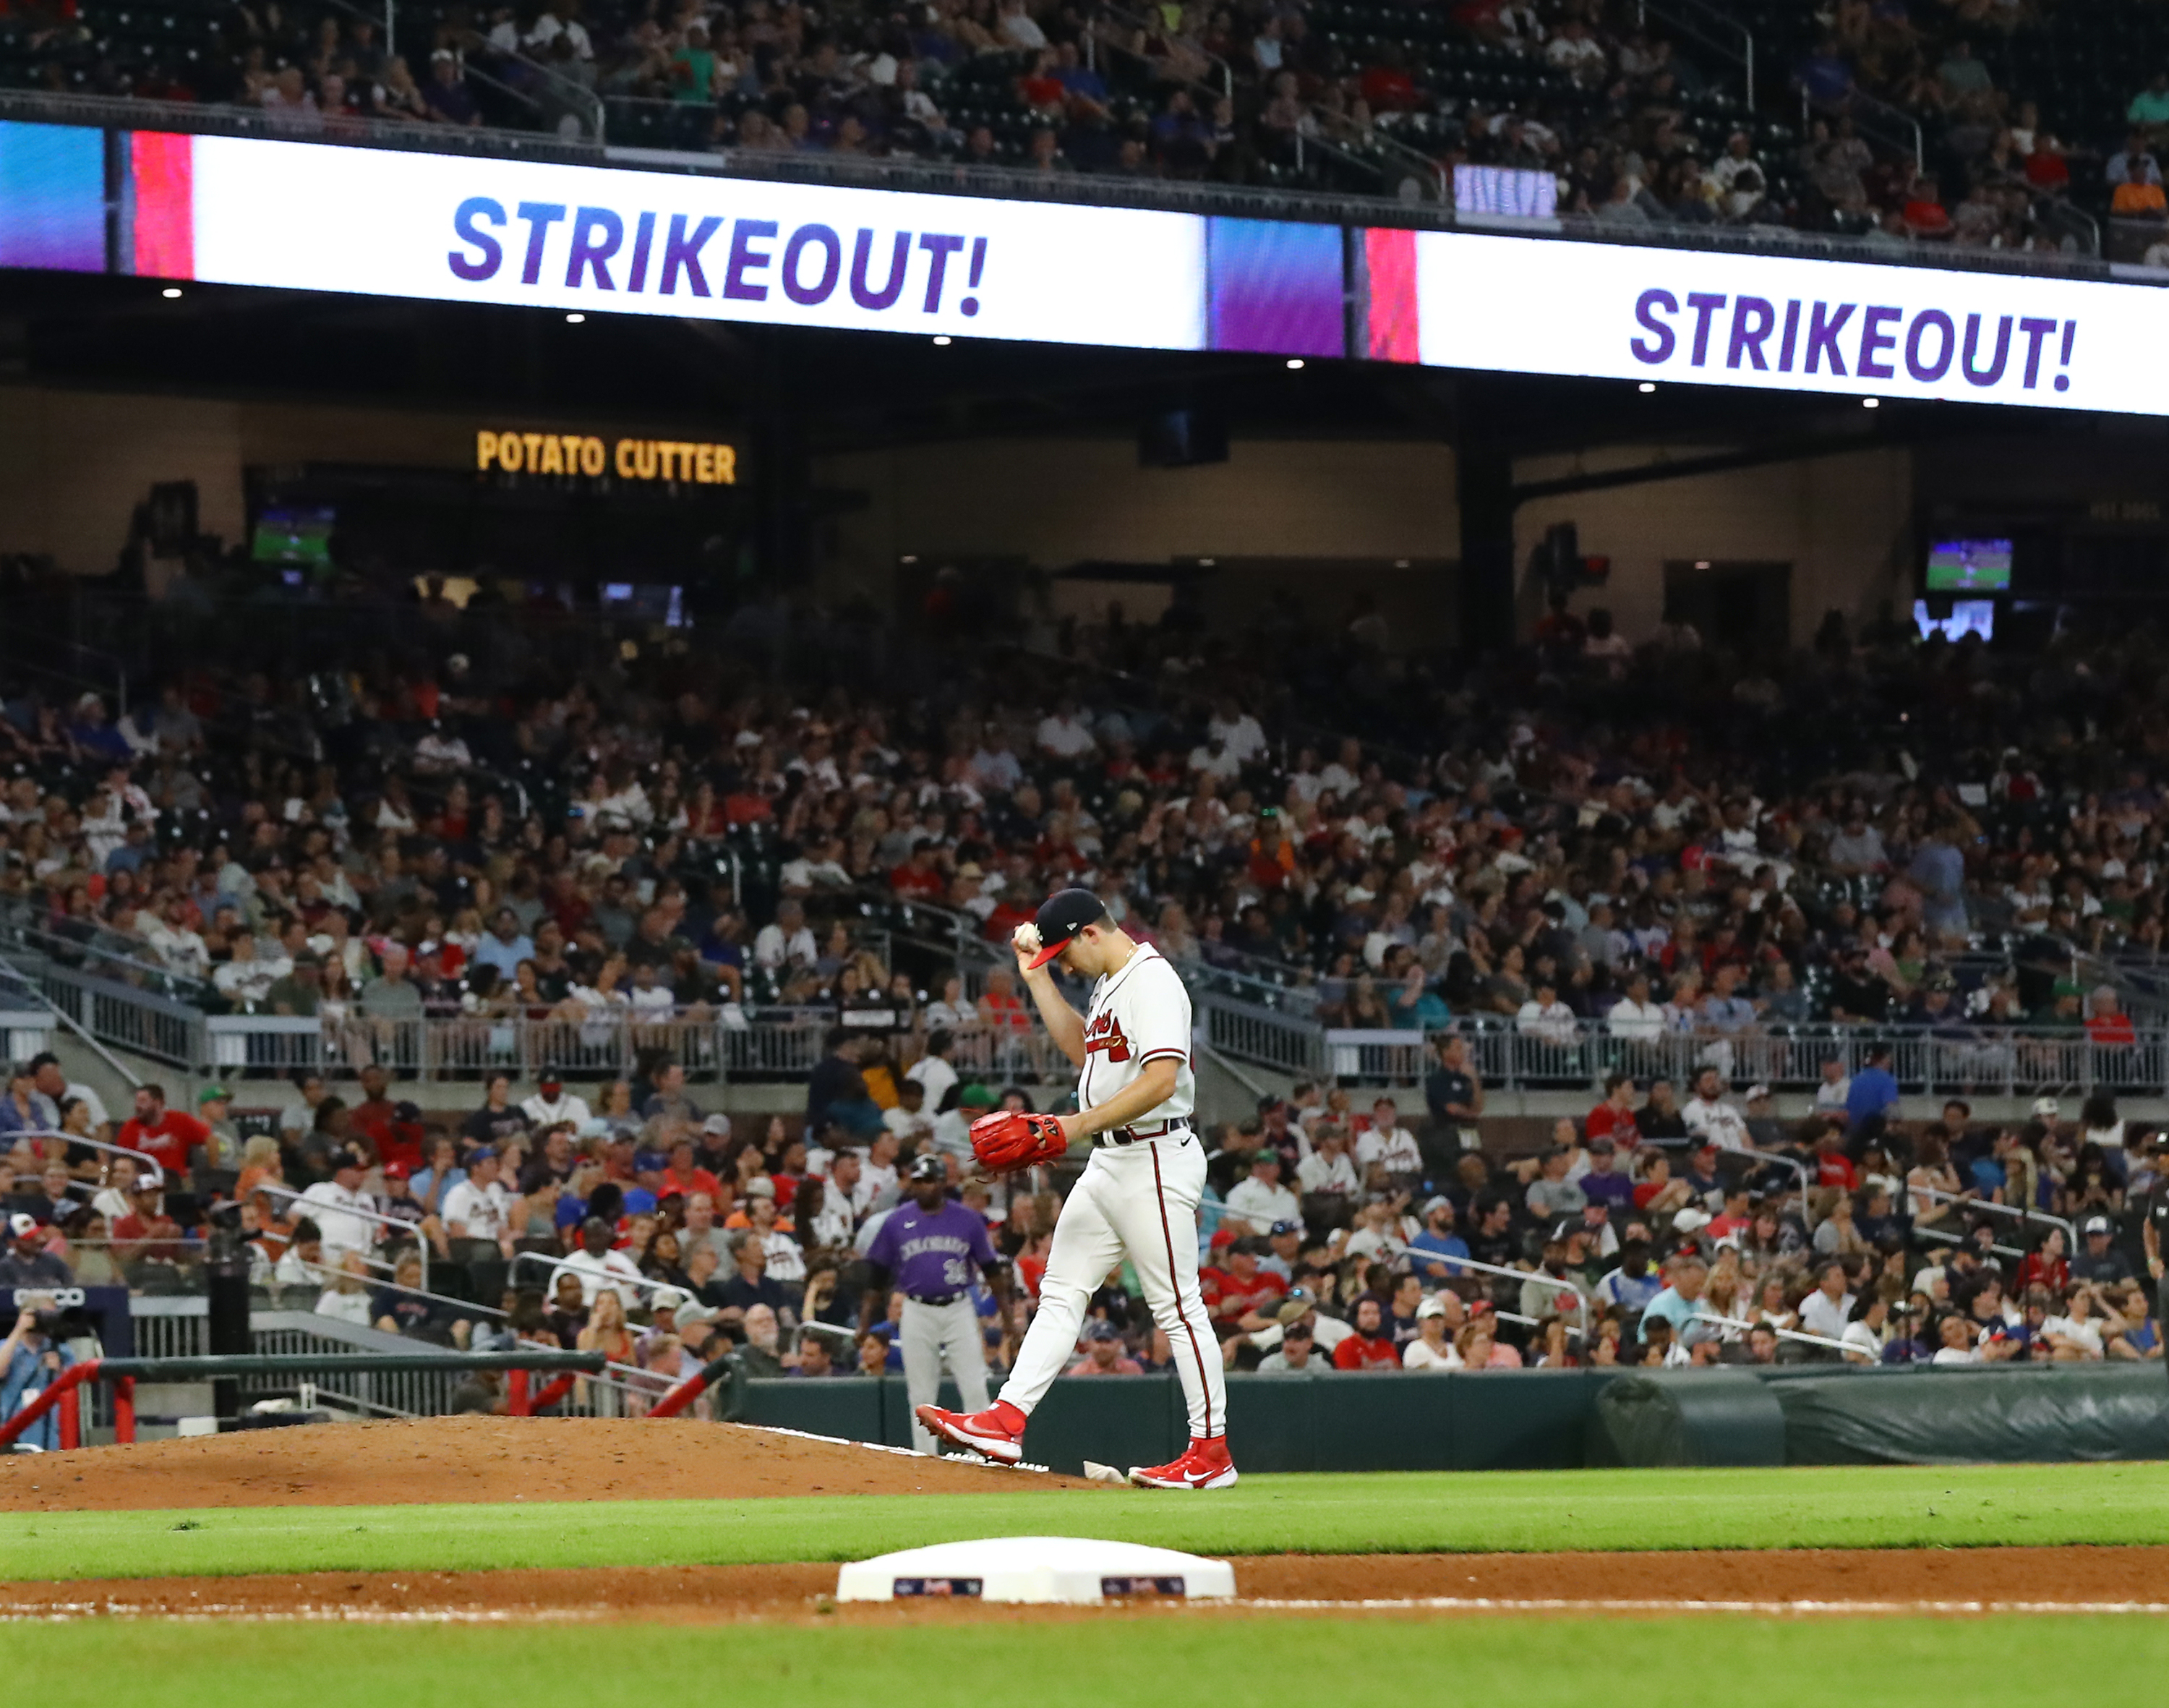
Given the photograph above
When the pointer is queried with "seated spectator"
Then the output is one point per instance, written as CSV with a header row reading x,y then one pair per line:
x,y
1438,1318
1370,1347
345,1296
1103,1353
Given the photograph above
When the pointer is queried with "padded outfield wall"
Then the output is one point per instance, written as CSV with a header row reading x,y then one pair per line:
x,y
1523,1420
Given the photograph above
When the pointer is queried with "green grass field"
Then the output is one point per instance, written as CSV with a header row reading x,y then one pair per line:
x,y
1837,1507
1177,1661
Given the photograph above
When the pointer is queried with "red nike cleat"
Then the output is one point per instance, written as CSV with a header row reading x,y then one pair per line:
x,y
998,1431
1204,1464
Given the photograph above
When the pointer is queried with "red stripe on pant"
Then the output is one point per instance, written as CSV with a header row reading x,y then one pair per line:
x,y
1204,1386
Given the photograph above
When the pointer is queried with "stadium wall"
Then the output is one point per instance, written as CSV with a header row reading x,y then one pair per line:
x,y
1524,1420
1057,502
1843,523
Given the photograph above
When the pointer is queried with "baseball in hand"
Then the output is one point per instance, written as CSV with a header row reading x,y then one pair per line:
x,y
1026,938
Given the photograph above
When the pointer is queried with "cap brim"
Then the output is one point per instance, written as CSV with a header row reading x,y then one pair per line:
x,y
1048,951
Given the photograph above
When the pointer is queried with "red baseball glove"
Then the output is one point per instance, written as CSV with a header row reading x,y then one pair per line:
x,y
1010,1140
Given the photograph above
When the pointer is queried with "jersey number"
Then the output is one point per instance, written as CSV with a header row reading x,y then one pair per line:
x,y
1105,1036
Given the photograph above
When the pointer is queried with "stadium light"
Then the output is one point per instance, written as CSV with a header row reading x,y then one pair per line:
x,y
1646,385
576,320
1871,403
942,339
170,292
1294,362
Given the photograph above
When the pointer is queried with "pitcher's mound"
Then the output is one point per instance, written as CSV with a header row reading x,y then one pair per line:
x,y
434,1460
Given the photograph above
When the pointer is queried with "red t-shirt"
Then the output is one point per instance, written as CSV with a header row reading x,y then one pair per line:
x,y
908,881
1362,1353
1605,1122
702,1180
373,1122
168,1141
402,1143
1228,1295
1836,1169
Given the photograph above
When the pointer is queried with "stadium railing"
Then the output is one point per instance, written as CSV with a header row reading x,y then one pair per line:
x,y
64,1393
1956,1058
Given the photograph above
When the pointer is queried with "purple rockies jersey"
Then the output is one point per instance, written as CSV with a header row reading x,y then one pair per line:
x,y
931,1254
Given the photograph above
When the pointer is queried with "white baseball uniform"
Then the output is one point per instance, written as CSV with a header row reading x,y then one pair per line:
x,y
1139,1195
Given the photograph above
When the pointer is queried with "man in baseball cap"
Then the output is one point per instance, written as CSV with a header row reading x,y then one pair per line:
x,y
1064,917
2097,1258
26,1263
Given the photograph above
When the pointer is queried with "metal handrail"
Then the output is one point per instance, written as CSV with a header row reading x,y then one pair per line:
x,y
1860,104
421,1241
1944,1236
2070,1231
1742,1325
1768,1157
1684,18
1581,1293
556,1264
89,1038
156,1171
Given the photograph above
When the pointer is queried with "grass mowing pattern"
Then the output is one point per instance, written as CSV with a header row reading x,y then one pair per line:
x,y
1816,1505
1175,1661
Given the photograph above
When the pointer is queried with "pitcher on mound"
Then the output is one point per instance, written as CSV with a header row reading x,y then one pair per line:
x,y
1138,1194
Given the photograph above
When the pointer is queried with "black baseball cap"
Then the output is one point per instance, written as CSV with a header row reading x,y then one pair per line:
x,y
928,1165
1061,916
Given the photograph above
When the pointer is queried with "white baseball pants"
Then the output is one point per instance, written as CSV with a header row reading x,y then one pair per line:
x,y
1142,1199
933,1335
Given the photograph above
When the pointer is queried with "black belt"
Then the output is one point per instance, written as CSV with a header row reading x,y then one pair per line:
x,y
945,1299
1116,1137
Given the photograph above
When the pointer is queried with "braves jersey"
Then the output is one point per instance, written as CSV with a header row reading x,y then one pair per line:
x,y
930,1254
1138,1014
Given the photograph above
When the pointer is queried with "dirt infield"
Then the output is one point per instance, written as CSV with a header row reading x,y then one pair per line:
x,y
1825,1580
440,1459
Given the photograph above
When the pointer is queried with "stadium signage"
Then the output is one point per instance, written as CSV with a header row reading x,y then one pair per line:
x,y
247,210
1464,300
515,452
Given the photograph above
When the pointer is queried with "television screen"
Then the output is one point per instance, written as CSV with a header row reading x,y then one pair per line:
x,y
1968,616
645,601
295,534
1970,566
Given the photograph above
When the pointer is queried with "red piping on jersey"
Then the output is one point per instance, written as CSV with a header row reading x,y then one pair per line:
x,y
1204,1387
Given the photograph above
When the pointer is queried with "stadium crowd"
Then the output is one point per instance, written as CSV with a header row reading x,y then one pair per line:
x,y
1329,1239
1639,123
1650,840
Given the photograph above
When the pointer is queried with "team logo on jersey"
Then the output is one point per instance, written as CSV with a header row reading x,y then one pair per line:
x,y
1105,1036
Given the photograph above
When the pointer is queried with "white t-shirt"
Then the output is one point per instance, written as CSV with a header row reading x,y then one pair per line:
x,y
1138,1013
613,1269
483,1210
543,1113
1417,1355
343,1307
1716,1120
338,1216
1819,1316
1553,1022
2087,1334
1315,1173
1262,1205
1063,737
1396,1150
772,949
1637,1020
936,1075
